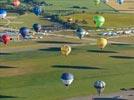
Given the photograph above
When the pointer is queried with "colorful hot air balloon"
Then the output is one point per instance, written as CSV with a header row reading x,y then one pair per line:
x,y
37,10
99,21
100,86
97,2
5,39
101,42
3,13
24,31
67,78
37,27
65,50
80,32
120,1
16,3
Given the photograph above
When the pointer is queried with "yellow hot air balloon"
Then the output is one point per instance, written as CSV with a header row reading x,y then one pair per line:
x,y
65,50
101,42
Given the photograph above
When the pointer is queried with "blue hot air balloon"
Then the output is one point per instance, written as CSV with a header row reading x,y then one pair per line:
x,y
80,32
67,78
120,1
37,10
37,27
3,13
24,31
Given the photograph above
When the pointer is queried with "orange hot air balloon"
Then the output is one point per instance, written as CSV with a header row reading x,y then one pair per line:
x,y
5,39
16,3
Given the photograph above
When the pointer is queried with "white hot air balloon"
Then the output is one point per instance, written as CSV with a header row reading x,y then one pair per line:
x,y
100,86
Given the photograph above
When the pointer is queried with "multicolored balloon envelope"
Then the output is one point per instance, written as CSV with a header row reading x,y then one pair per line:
x,y
37,10
99,21
99,85
120,1
16,3
65,50
101,42
67,78
37,27
5,39
24,31
3,13
80,32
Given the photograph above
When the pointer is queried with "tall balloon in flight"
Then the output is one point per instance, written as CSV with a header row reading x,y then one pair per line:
x,y
67,78
37,10
5,39
16,3
97,2
65,50
80,32
101,43
120,1
24,31
100,86
37,27
3,13
99,21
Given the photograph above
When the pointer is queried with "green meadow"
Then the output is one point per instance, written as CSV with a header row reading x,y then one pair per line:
x,y
35,74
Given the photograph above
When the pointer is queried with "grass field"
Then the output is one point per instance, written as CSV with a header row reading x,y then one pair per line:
x,y
67,5
35,74
27,20
112,20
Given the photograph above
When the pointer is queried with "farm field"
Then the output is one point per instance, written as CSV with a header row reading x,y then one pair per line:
x,y
31,68
40,69
127,7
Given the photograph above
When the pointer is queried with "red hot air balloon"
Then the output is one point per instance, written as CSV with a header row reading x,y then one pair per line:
x,y
5,39
16,3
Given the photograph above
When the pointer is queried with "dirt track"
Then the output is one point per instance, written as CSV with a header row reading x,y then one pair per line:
x,y
123,95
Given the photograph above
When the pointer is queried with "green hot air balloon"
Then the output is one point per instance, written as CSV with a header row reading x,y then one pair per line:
x,y
97,2
99,21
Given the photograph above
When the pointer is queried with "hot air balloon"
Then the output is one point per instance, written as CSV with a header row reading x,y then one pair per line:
x,y
3,13
37,10
80,32
65,50
120,1
16,3
99,21
70,20
100,86
101,42
5,39
37,27
97,2
24,31
67,78
105,1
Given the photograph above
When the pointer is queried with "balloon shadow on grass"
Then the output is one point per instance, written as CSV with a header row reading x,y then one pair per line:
x,y
54,49
5,54
7,97
5,67
76,67
122,57
121,44
57,42
102,51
